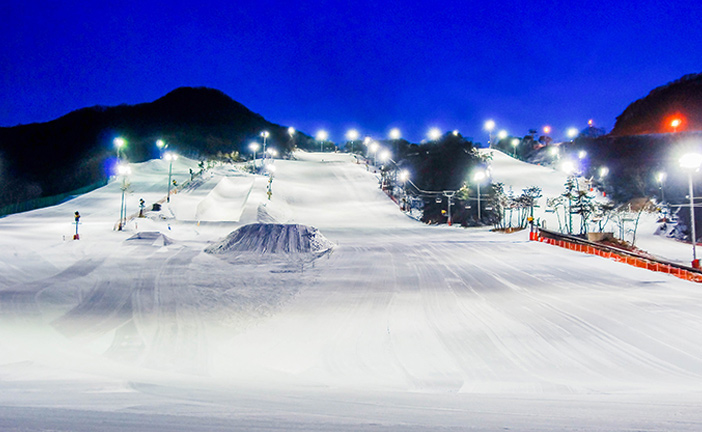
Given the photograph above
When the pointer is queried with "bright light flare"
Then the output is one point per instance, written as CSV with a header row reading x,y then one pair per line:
x,y
479,176
373,146
547,130
572,132
124,169
265,134
254,146
119,142
170,156
395,133
515,142
603,172
568,167
160,144
554,151
691,161
352,135
582,154
502,134
661,176
291,131
384,155
322,135
434,134
489,125
404,175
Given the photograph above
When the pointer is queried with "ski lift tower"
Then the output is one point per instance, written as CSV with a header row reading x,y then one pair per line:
x,y
449,195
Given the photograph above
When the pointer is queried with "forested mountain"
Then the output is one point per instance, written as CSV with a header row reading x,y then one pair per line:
x,y
77,149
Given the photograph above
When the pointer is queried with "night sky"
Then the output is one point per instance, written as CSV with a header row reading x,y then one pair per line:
x,y
370,65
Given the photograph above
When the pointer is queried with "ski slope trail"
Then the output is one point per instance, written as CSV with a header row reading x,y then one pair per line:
x,y
399,326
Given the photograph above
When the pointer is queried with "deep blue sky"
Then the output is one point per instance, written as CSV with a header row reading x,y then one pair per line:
x,y
371,65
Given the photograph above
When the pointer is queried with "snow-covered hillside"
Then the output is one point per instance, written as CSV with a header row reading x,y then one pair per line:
x,y
398,326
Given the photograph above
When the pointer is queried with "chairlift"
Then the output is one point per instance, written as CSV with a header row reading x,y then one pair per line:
x,y
438,200
488,208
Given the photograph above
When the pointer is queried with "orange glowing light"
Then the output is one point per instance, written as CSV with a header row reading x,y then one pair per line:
x,y
547,129
675,122
590,122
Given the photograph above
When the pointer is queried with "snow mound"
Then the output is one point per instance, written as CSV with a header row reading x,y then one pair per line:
x,y
154,238
268,238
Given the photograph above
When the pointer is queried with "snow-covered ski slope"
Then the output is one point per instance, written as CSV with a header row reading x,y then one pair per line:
x,y
402,326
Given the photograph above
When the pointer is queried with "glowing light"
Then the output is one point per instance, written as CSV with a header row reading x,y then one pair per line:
x,y
322,135
455,132
124,169
265,134
479,176
489,125
568,167
553,151
254,147
603,172
170,156
291,131
691,161
547,130
404,175
384,155
515,142
590,122
582,154
434,134
395,133
367,140
502,134
352,135
660,177
373,146
675,123
572,132
160,144
119,142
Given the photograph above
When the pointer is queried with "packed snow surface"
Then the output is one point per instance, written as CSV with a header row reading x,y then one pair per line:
x,y
404,327
269,238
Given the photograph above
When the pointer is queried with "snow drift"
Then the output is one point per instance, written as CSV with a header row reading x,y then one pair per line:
x,y
273,239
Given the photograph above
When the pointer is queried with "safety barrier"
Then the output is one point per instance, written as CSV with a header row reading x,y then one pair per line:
x,y
619,255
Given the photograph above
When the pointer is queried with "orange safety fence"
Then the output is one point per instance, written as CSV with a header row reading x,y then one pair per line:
x,y
687,273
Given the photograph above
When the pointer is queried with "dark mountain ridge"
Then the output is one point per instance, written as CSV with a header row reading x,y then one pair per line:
x,y
680,99
77,149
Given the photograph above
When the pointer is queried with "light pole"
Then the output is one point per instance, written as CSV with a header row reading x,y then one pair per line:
x,y
660,177
478,178
449,195
489,126
119,143
265,134
161,145
124,171
291,132
170,157
352,135
404,176
321,136
515,144
254,148
373,147
691,162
